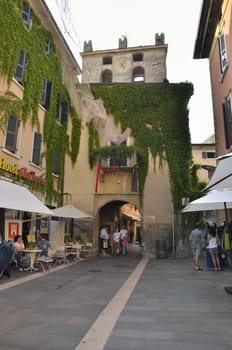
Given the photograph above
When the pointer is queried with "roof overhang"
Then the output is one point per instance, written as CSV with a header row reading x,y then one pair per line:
x,y
209,17
48,21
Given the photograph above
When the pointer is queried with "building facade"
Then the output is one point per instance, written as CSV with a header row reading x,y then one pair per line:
x,y
204,157
213,42
139,72
38,75
116,145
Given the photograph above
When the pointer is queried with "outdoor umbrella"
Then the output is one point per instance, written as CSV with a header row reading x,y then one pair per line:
x,y
213,200
69,211
222,177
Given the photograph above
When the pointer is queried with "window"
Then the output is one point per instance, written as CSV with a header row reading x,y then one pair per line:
x,y
138,75
56,156
12,134
137,57
48,47
222,52
118,159
37,149
26,14
62,111
208,154
107,60
46,93
107,76
21,67
228,122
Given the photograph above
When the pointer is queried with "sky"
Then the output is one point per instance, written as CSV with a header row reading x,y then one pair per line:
x,y
105,21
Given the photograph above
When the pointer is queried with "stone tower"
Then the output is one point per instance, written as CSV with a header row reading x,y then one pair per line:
x,y
140,64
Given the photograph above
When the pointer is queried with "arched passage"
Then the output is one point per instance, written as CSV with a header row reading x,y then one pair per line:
x,y
138,75
106,76
118,213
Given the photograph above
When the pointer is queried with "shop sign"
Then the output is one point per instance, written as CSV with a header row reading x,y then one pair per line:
x,y
22,172
12,228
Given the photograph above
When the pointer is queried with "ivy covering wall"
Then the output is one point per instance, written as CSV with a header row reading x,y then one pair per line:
x,y
158,117
16,36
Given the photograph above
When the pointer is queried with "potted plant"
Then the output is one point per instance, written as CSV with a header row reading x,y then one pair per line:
x,y
67,239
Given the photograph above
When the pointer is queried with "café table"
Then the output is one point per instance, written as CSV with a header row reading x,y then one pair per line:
x,y
32,253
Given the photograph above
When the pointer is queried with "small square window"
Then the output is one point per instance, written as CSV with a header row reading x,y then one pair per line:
x,y
107,60
137,57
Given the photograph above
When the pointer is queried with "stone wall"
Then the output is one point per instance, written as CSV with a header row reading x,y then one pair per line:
x,y
154,64
152,233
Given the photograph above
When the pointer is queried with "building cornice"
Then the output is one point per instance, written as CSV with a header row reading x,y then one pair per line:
x,y
48,21
209,17
128,49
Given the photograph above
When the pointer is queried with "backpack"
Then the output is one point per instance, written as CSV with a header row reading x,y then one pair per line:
x,y
226,241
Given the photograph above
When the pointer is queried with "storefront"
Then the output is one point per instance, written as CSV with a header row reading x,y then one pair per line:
x,y
20,211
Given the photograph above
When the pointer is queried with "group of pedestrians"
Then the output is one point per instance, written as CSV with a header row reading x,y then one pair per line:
x,y
213,242
115,243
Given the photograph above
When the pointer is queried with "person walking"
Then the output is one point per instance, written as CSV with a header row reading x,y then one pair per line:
x,y
213,248
104,237
124,239
116,238
196,239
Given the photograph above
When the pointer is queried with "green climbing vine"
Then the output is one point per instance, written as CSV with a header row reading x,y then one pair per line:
x,y
16,36
158,117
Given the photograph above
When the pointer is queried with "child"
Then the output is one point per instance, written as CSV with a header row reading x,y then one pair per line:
x,y
124,246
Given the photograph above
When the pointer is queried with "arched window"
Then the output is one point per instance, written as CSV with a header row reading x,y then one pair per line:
x,y
138,75
107,76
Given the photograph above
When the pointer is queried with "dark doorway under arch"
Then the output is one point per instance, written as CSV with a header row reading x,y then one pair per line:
x,y
117,213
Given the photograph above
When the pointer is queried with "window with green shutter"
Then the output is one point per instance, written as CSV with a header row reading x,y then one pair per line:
x,y
12,134
227,112
21,67
36,159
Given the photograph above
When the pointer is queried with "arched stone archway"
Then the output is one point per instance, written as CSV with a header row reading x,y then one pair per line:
x,y
111,214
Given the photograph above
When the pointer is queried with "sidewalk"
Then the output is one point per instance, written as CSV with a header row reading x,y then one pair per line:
x,y
171,307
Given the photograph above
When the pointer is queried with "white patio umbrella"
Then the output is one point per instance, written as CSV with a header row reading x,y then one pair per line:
x,y
220,199
222,177
69,211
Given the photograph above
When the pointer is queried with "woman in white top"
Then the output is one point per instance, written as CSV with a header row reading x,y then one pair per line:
x,y
213,248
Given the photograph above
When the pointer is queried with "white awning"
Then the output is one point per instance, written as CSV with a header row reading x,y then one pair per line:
x,y
69,211
222,177
17,197
213,200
